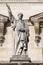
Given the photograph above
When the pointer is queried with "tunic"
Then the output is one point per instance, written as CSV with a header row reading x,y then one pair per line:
x,y
21,33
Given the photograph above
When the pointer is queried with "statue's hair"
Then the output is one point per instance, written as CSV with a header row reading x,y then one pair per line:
x,y
20,14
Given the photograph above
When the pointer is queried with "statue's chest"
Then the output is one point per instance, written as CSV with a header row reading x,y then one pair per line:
x,y
20,24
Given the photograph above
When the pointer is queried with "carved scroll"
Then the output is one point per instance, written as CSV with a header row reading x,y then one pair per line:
x,y
3,20
36,20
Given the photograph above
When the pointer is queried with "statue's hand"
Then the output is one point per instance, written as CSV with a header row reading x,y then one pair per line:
x,y
12,26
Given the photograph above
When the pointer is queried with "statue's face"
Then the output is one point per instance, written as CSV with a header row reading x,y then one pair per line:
x,y
20,16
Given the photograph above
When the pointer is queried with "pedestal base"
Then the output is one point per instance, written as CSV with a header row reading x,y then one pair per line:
x,y
20,58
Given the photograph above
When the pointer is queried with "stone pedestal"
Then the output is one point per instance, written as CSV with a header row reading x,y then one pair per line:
x,y
20,58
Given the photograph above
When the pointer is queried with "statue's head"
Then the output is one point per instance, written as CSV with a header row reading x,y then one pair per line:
x,y
20,16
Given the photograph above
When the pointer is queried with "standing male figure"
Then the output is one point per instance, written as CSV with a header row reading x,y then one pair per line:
x,y
21,32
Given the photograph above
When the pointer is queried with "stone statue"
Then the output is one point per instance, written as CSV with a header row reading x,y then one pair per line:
x,y
21,32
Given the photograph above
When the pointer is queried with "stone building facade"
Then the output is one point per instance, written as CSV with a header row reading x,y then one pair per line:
x,y
28,8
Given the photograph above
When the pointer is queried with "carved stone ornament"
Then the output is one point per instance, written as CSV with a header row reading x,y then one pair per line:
x,y
3,20
37,21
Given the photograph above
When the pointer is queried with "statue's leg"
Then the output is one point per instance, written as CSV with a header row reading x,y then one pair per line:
x,y
20,49
25,48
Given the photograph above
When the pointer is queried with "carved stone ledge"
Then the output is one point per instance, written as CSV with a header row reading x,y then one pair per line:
x,y
37,21
24,63
22,1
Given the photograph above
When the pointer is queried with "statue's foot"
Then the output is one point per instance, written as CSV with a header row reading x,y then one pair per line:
x,y
18,53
